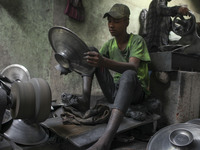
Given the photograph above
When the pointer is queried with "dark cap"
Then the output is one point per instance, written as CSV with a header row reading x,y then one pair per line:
x,y
118,11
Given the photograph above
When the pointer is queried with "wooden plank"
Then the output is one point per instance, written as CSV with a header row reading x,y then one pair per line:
x,y
82,135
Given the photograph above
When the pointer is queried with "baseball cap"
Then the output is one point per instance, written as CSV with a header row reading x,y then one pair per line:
x,y
118,11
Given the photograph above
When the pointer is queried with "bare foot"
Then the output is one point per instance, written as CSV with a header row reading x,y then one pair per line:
x,y
101,144
106,139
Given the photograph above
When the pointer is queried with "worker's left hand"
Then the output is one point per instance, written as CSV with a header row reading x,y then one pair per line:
x,y
94,58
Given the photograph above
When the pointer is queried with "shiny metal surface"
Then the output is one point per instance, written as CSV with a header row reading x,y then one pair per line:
x,y
26,134
43,99
16,72
194,121
23,97
31,100
181,137
7,144
69,50
161,141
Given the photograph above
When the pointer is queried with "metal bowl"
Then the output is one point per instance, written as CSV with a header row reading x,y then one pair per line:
x,y
181,137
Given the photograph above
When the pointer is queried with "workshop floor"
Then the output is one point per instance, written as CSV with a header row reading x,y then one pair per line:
x,y
131,140
136,145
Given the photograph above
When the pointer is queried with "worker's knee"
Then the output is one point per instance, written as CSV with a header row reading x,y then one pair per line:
x,y
129,76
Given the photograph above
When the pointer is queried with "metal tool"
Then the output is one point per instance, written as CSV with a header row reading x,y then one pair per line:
x,y
186,27
183,25
30,104
27,95
31,100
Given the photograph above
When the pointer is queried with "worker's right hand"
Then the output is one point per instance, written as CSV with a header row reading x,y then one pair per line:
x,y
183,10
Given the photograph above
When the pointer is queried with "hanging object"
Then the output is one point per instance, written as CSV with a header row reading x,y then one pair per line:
x,y
75,10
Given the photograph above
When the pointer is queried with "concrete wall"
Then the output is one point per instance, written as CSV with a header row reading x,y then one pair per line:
x,y
24,35
180,97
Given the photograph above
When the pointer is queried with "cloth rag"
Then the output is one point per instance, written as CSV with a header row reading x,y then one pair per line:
x,y
96,115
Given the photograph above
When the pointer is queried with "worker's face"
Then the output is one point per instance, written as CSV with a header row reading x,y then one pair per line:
x,y
117,26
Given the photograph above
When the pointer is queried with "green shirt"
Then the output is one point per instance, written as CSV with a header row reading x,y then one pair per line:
x,y
136,47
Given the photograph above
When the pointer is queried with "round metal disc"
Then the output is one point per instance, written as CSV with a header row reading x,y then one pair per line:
x,y
69,49
26,134
42,99
161,139
16,72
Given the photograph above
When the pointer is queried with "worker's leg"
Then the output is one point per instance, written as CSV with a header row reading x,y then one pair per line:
x,y
113,124
106,83
84,102
129,92
128,87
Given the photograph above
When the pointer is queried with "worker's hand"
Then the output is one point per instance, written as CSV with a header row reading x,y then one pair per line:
x,y
94,58
183,10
